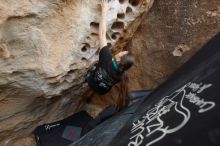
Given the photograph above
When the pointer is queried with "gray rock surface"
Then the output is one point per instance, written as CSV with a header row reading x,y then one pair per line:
x,y
169,35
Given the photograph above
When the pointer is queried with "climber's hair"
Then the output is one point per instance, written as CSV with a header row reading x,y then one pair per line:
x,y
126,62
123,99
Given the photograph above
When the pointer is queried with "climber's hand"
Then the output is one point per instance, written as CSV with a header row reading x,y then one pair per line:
x,y
119,55
105,6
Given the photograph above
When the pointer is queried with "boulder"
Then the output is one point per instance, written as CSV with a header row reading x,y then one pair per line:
x,y
46,49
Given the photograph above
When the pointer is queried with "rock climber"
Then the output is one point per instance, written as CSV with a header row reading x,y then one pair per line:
x,y
110,69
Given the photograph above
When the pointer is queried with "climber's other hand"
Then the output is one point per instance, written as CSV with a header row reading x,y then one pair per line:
x,y
120,54
105,5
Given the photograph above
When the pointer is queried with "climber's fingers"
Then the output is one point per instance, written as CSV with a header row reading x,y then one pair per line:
x,y
105,4
123,53
105,1
120,54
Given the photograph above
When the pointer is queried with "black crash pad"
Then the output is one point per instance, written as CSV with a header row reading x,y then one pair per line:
x,y
183,111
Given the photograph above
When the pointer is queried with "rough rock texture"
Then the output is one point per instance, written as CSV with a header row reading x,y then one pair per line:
x,y
46,48
170,34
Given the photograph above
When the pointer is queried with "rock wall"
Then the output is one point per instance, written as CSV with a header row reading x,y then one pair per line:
x,y
169,35
46,48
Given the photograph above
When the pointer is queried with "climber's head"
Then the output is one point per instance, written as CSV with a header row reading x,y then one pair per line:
x,y
124,60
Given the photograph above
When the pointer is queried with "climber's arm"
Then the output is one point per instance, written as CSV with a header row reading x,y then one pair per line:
x,y
102,24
